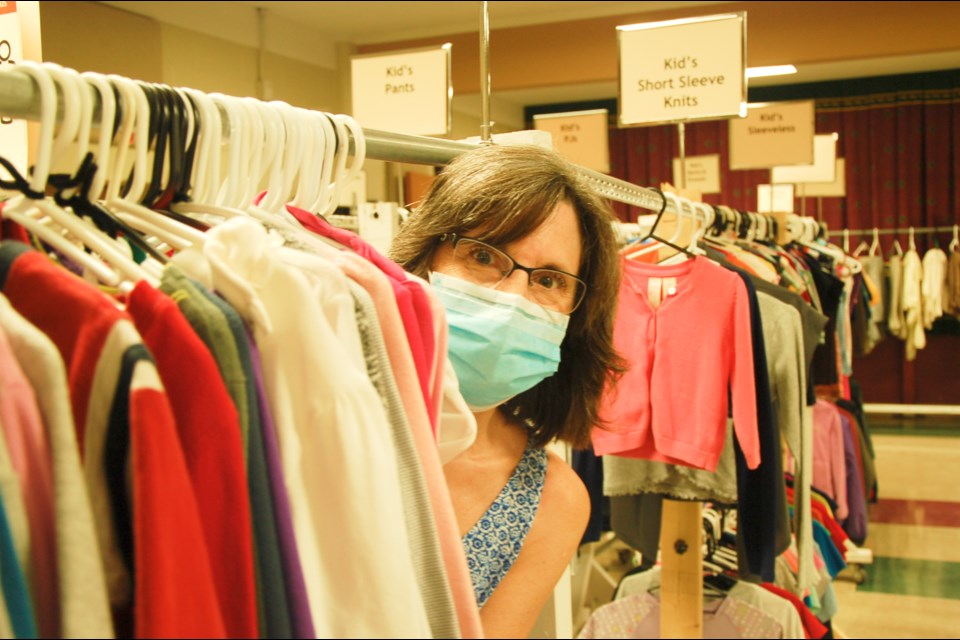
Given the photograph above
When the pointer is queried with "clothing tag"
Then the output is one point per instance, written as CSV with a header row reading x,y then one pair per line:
x,y
655,291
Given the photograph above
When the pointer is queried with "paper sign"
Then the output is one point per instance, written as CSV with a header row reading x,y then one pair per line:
x,y
824,165
772,135
703,173
13,133
581,137
835,189
775,198
679,70
404,92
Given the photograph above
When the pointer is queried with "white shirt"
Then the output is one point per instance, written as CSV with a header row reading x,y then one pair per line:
x,y
934,280
335,445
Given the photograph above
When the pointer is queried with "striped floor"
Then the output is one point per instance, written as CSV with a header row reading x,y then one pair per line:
x,y
912,589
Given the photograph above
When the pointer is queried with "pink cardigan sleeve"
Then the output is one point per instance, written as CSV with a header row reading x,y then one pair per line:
x,y
742,381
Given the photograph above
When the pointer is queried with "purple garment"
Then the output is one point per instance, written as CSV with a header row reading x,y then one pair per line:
x,y
638,616
855,523
300,618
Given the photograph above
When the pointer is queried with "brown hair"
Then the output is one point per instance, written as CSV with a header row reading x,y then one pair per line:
x,y
499,194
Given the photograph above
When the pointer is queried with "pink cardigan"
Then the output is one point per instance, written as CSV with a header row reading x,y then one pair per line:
x,y
672,405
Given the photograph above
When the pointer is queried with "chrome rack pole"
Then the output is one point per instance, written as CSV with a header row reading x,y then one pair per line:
x,y
486,126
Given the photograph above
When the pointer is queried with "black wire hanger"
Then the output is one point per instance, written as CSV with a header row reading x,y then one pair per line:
x,y
652,234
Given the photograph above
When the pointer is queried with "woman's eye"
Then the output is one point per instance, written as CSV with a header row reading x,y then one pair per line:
x,y
482,257
551,281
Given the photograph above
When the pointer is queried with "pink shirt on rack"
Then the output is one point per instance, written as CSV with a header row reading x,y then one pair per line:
x,y
829,463
687,357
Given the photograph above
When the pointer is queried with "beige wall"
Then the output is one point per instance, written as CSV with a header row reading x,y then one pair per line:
x,y
89,36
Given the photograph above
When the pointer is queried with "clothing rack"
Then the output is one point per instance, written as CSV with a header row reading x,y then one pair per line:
x,y
891,231
20,98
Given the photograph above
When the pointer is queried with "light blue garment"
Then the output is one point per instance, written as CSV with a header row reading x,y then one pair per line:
x,y
15,593
500,344
494,542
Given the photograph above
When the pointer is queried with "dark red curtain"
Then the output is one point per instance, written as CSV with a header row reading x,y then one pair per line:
x,y
902,155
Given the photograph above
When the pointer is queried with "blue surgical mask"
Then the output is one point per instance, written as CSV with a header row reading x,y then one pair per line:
x,y
500,343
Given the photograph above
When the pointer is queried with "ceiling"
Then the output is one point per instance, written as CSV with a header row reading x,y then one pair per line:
x,y
366,23
376,22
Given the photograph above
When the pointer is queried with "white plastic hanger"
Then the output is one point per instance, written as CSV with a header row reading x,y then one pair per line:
x,y
875,245
17,208
108,111
897,249
359,150
86,234
955,243
911,243
329,158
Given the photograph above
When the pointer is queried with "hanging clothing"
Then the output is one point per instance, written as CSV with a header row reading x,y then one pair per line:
x,y
873,272
778,608
934,266
29,451
829,463
912,302
638,616
209,431
216,325
457,430
952,293
303,322
668,376
895,320
111,376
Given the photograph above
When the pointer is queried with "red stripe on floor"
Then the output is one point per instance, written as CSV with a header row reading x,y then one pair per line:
x,y
933,513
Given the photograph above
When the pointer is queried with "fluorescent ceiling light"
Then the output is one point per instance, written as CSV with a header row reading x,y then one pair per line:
x,y
776,70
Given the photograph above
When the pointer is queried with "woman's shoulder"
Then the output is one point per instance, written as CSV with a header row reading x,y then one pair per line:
x,y
565,500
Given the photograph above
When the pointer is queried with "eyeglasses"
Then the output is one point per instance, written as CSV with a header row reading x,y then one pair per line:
x,y
488,266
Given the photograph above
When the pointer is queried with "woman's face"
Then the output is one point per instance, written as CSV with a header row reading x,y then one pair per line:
x,y
556,244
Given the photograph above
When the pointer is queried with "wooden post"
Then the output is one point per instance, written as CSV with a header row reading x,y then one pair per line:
x,y
681,577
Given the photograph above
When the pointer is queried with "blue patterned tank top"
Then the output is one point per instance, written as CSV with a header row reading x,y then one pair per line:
x,y
493,544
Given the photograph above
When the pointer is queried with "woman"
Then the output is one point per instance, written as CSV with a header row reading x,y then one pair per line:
x,y
524,258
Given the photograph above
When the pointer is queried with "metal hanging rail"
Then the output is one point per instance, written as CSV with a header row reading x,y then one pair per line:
x,y
20,98
887,232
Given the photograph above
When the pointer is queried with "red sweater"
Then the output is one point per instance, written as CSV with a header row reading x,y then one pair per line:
x,y
209,430
686,357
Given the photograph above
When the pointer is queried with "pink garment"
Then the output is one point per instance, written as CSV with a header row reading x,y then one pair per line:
x,y
829,464
440,331
401,361
684,356
30,454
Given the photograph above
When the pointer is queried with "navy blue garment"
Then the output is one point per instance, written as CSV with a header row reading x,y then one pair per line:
x,y
589,467
761,493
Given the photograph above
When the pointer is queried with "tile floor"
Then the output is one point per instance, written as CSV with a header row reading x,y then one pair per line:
x,y
912,589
